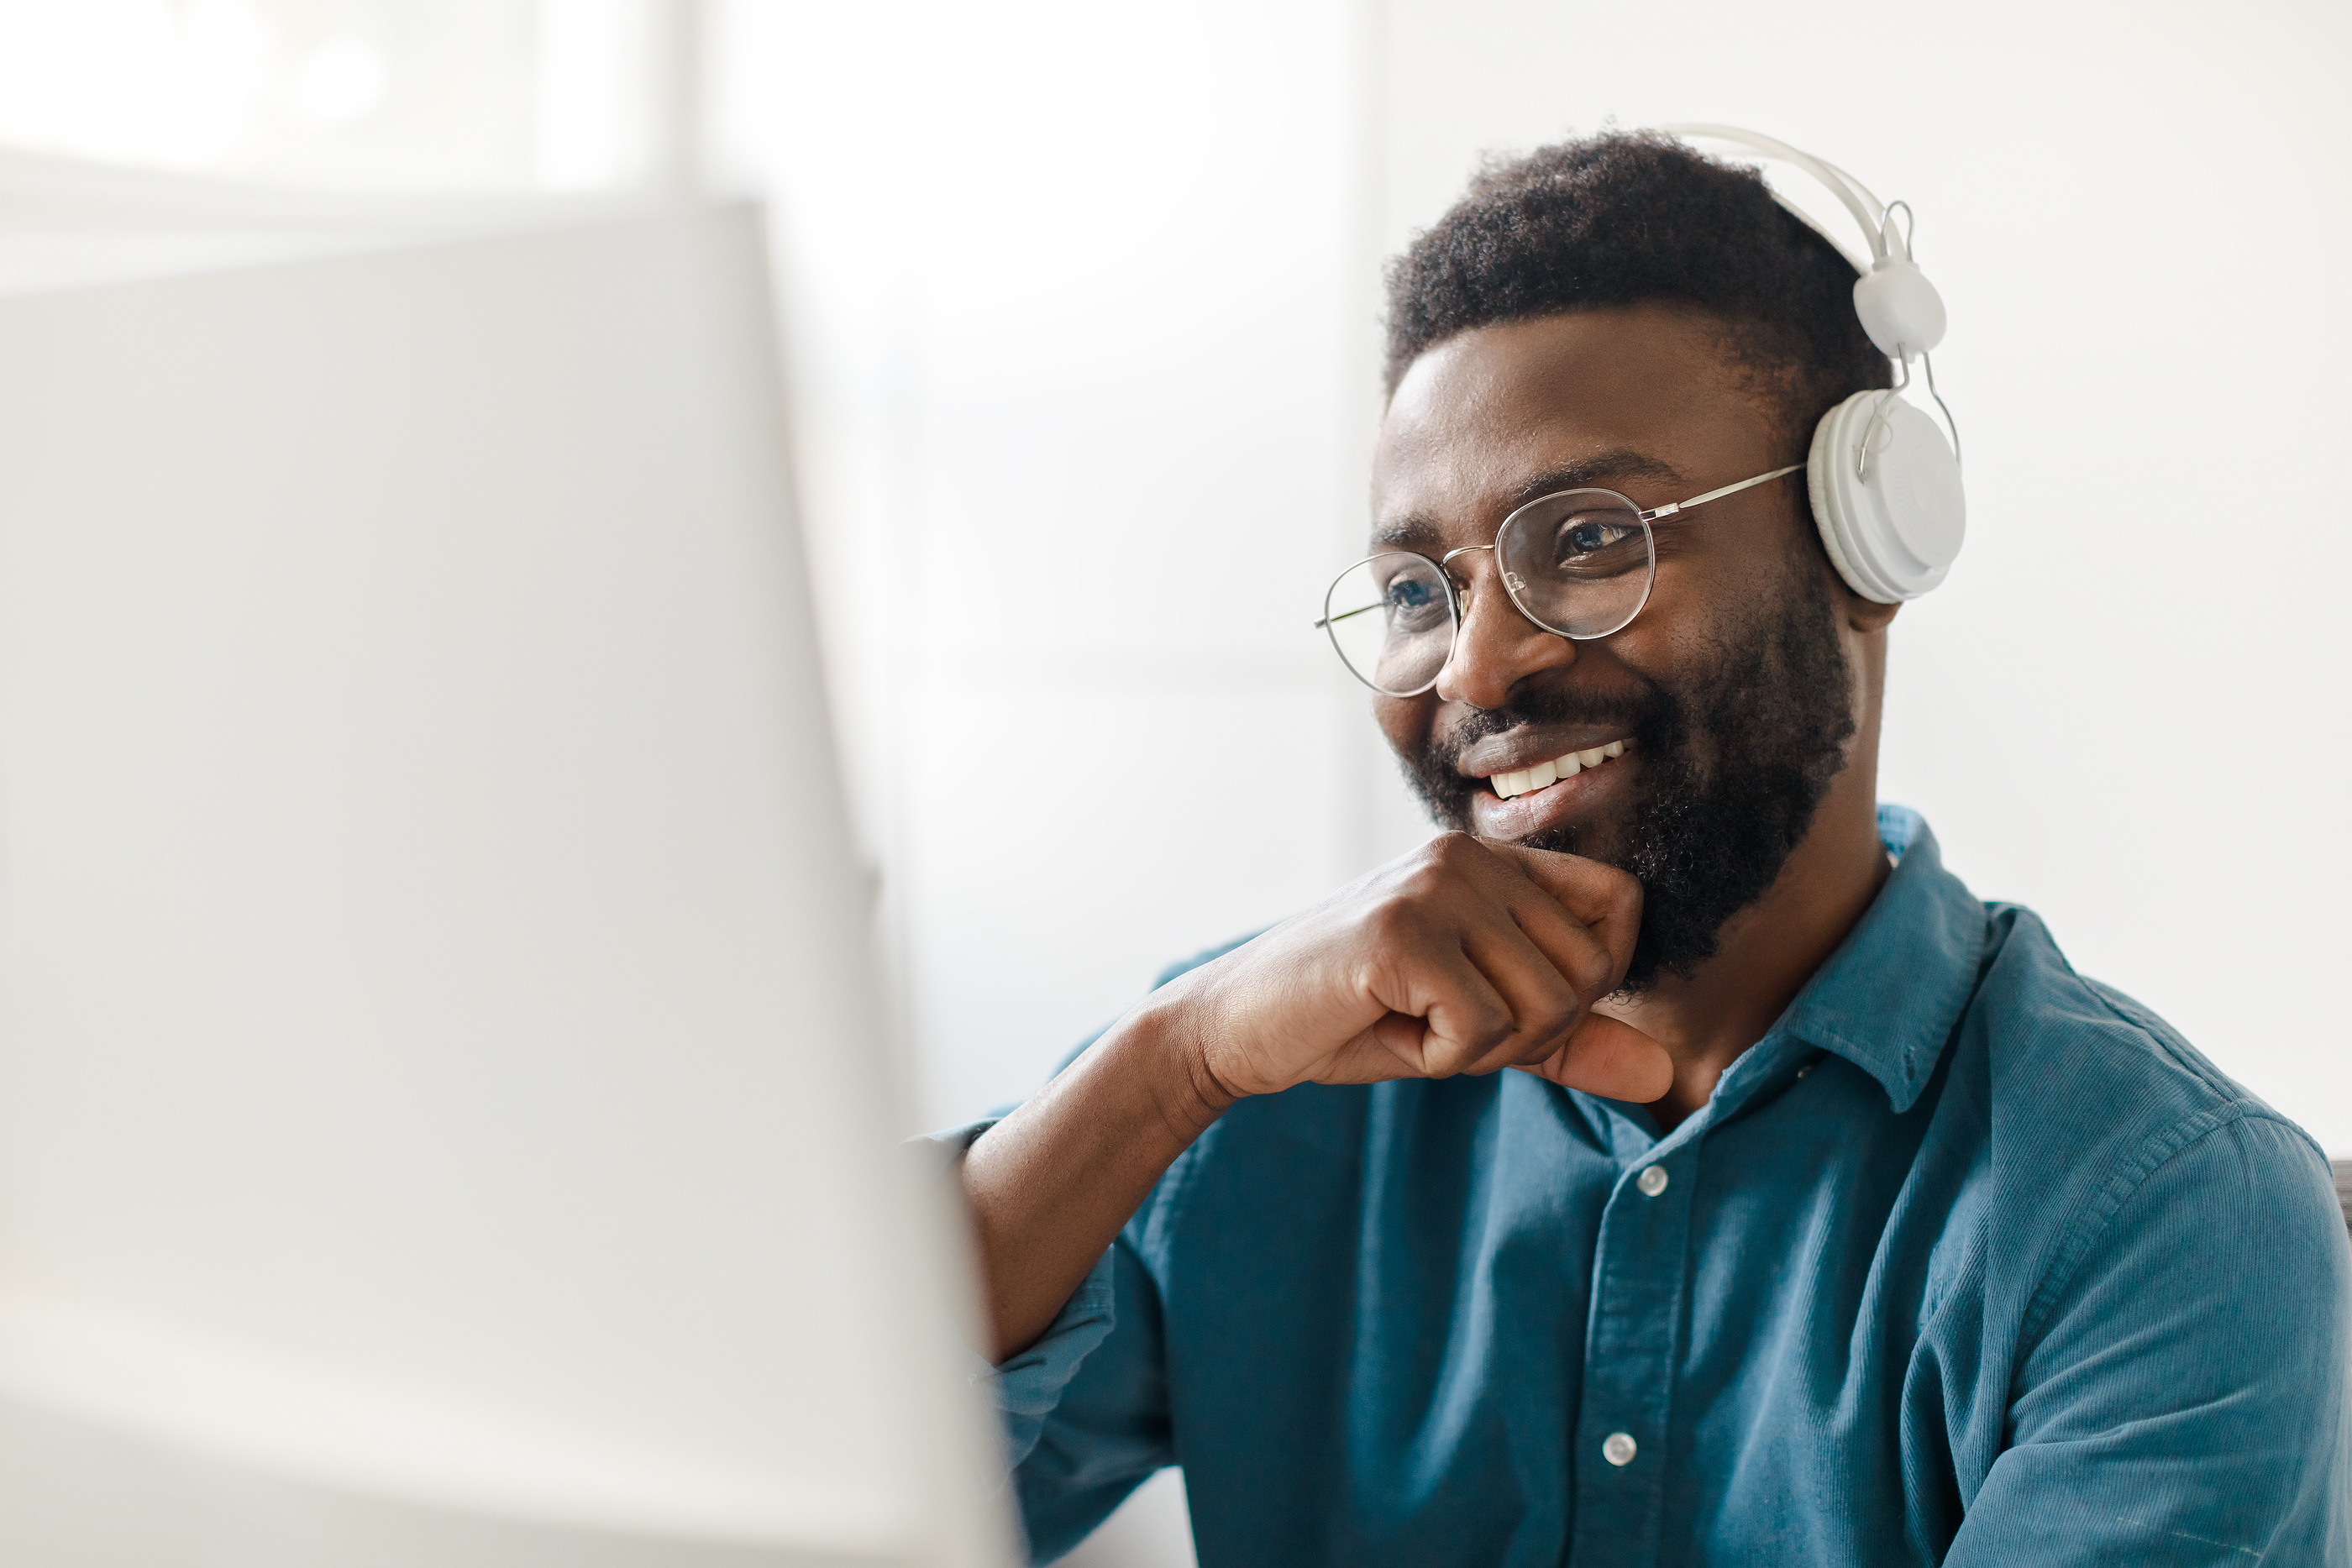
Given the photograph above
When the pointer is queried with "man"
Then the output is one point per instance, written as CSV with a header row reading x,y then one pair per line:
x,y
1825,1216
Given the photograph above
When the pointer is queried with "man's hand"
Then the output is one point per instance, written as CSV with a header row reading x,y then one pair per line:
x,y
1463,956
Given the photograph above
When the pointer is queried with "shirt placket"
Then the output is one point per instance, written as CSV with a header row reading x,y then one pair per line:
x,y
1640,1283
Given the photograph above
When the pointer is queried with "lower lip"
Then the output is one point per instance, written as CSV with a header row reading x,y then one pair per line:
x,y
1524,816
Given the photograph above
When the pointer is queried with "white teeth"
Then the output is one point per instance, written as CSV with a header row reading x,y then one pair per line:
x,y
1525,779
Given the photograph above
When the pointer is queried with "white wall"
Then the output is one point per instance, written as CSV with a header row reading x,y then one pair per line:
x,y
1083,300
1082,325
1072,287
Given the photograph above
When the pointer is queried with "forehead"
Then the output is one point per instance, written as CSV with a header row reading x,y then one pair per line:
x,y
1643,399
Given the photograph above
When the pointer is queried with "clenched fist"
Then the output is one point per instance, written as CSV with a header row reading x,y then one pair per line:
x,y
1463,956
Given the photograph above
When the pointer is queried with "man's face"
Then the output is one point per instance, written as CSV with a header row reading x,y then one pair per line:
x,y
1731,688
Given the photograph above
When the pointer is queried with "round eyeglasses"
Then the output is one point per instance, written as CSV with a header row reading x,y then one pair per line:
x,y
1577,563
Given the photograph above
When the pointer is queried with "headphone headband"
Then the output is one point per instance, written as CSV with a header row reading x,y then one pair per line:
x,y
1885,488
1869,211
1899,308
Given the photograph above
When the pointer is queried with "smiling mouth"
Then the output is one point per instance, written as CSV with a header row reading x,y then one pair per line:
x,y
1527,780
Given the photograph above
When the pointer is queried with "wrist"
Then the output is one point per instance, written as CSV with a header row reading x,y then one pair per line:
x,y
1169,1049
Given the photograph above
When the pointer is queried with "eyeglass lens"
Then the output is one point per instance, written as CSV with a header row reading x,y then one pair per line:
x,y
1391,618
1578,563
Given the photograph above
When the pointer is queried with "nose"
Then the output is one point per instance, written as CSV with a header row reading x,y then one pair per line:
x,y
1497,647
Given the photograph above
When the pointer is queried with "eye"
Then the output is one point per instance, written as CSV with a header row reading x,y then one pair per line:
x,y
1414,601
1588,535
1410,594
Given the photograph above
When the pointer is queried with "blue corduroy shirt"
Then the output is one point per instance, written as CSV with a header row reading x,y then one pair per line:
x,y
1969,1261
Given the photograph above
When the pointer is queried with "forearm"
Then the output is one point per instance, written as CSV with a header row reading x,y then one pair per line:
x,y
1050,1185
1465,949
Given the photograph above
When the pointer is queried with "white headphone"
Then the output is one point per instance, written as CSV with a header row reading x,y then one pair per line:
x,y
1886,487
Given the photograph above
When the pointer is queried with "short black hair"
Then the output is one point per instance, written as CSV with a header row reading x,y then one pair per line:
x,y
1628,217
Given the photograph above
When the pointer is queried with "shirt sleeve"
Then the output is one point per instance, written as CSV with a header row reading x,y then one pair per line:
x,y
1107,1426
1026,1386
2182,1396
1085,1408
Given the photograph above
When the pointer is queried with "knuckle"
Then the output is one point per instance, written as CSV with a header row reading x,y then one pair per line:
x,y
1444,1060
1434,877
1590,971
1625,894
1497,1032
1452,850
1556,1018
1425,882
1455,1056
1393,922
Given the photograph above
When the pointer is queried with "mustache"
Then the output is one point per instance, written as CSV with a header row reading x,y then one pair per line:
x,y
1650,716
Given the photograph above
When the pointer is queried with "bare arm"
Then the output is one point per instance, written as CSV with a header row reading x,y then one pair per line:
x,y
1463,957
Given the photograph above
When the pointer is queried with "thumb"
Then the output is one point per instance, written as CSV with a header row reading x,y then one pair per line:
x,y
1607,1056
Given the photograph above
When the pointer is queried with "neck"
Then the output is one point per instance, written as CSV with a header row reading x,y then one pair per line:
x,y
1768,950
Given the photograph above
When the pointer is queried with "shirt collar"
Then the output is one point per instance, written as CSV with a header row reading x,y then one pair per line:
x,y
1888,998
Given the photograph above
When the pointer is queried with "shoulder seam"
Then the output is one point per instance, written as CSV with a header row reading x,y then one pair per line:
x,y
2156,1151
2130,1011
2167,1041
2158,1032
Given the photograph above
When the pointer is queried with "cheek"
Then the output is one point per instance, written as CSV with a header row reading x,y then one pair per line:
x,y
1405,721
1703,594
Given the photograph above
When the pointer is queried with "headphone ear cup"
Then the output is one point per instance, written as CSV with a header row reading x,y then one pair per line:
x,y
1893,529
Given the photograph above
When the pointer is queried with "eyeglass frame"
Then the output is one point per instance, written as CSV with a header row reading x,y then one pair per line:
x,y
1455,594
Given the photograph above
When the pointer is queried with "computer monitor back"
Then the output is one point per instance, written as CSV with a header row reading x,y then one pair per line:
x,y
445,1113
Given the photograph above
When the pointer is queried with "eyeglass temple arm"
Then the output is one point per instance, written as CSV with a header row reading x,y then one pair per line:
x,y
1670,509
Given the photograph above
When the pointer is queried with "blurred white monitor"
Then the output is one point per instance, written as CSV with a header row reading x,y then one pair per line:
x,y
444,1111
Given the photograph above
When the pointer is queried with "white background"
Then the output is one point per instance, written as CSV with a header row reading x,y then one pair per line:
x,y
1083,306
1083,298
1081,318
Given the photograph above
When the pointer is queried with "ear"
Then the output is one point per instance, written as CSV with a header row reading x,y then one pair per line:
x,y
1866,616
1862,617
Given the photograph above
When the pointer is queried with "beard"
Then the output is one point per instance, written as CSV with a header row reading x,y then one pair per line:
x,y
1735,759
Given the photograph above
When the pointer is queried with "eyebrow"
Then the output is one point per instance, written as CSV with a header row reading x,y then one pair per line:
x,y
1419,532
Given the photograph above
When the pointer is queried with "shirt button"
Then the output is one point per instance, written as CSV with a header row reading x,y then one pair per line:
x,y
1618,1448
1652,1181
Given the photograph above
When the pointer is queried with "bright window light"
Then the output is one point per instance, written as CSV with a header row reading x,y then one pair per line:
x,y
343,80
130,80
395,94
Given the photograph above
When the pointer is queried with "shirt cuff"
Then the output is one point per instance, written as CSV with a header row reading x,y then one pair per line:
x,y
1028,1385
948,1146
